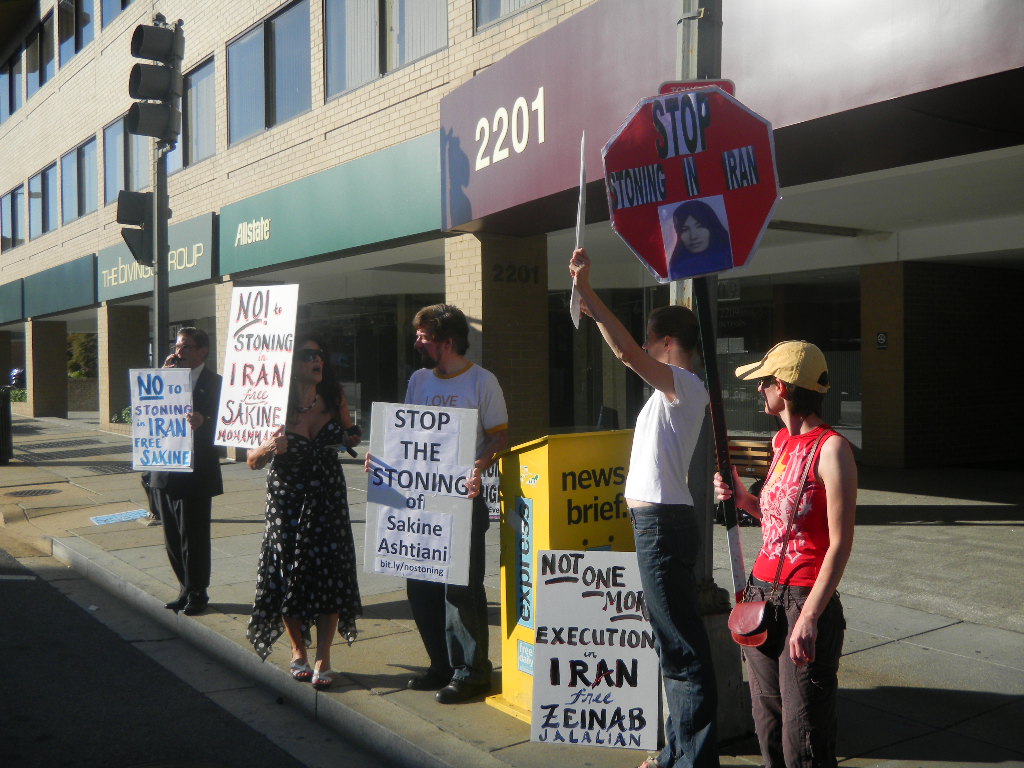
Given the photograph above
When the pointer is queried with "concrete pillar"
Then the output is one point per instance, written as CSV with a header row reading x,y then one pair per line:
x,y
501,284
6,357
122,343
882,311
46,367
222,313
222,309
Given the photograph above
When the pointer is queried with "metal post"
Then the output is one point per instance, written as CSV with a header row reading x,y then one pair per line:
x,y
734,718
161,298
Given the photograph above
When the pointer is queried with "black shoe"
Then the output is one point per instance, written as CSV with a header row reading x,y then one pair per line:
x,y
428,681
461,690
197,603
177,605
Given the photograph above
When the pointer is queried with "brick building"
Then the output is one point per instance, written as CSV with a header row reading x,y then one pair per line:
x,y
384,154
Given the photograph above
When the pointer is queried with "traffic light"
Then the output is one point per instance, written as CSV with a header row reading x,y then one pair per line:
x,y
136,208
160,85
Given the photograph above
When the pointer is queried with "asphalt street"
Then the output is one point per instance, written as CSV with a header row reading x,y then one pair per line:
x,y
89,682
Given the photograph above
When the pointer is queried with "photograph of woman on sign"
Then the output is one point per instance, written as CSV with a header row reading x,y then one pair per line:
x,y
696,235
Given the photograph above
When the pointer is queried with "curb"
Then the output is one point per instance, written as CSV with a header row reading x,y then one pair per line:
x,y
368,732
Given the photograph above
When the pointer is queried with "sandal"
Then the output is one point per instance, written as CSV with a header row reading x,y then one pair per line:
x,y
323,679
300,670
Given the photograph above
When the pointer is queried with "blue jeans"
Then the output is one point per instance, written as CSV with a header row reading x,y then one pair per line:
x,y
452,619
667,540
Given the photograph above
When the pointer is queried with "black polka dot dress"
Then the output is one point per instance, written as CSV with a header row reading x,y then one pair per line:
x,y
308,563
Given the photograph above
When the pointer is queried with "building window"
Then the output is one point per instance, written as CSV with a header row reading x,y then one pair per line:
x,y
42,202
269,77
417,28
126,161
78,182
12,221
352,39
10,86
112,9
39,56
355,37
198,139
74,27
200,118
488,11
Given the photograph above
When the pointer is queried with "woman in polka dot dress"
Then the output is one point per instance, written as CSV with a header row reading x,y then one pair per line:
x,y
307,568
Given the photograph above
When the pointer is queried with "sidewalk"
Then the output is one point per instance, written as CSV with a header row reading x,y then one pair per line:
x,y
933,666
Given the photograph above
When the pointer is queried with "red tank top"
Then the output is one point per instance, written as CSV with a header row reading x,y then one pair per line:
x,y
809,541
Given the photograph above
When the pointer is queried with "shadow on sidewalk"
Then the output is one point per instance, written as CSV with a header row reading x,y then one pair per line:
x,y
923,725
939,514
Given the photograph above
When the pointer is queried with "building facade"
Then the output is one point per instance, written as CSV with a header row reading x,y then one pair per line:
x,y
386,154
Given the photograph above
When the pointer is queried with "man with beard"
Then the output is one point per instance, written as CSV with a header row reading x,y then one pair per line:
x,y
452,619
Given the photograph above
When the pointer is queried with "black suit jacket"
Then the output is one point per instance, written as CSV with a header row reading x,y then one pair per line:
x,y
205,479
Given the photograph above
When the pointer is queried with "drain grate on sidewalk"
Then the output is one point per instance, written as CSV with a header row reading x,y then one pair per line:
x,y
114,468
33,492
60,444
78,453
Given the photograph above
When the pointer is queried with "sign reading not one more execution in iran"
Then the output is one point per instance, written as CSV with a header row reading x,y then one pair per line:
x,y
595,669
691,182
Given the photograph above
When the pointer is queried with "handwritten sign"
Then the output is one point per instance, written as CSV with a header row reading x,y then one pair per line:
x,y
490,489
161,435
595,668
418,519
257,364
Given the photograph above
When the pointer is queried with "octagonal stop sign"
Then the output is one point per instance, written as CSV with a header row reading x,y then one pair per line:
x,y
691,182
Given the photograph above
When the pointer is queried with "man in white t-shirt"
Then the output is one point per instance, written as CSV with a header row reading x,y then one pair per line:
x,y
665,525
452,619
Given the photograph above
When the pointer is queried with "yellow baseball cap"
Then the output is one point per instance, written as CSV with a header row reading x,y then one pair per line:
x,y
795,362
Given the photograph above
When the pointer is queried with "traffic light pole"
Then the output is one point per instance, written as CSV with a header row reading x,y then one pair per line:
x,y
161,293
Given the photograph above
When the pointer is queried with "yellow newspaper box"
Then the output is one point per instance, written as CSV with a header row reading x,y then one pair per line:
x,y
557,492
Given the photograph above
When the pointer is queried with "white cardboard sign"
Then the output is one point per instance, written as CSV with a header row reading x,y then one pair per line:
x,y
257,364
418,519
595,679
161,435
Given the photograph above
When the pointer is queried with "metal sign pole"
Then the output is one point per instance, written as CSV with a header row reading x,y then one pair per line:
x,y
702,299
161,298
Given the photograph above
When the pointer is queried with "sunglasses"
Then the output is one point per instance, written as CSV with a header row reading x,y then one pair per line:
x,y
308,355
766,381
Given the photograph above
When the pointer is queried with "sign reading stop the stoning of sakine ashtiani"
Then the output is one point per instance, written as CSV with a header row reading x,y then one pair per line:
x,y
418,514
691,182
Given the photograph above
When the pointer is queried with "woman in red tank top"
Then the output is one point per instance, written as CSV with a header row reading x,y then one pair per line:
x,y
793,675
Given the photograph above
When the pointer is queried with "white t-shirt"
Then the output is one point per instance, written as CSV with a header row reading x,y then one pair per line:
x,y
472,387
663,442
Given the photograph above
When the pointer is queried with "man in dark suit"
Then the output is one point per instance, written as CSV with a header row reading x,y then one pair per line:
x,y
183,500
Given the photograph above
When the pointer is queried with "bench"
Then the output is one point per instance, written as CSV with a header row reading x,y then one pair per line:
x,y
751,458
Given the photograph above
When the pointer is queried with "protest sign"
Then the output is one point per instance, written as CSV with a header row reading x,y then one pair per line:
x,y
490,489
418,519
595,668
691,181
161,435
257,364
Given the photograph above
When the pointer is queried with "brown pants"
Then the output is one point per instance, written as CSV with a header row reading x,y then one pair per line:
x,y
795,706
